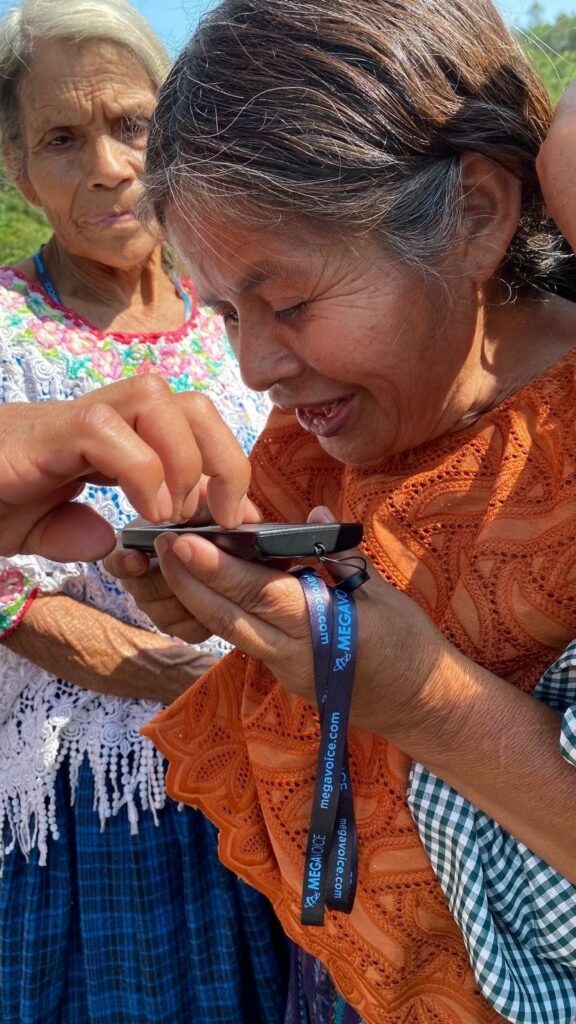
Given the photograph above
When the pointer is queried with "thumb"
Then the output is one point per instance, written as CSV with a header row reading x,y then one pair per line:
x,y
69,533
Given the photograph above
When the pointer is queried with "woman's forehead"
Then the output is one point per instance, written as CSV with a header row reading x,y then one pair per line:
x,y
62,76
246,255
266,237
224,258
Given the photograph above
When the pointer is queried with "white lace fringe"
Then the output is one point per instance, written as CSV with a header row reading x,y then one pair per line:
x,y
128,774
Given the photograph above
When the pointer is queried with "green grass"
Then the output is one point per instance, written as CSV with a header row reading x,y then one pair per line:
x,y
22,228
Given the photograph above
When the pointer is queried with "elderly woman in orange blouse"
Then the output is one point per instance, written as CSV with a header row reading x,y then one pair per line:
x,y
353,186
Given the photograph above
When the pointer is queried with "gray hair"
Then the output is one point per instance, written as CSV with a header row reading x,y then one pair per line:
x,y
354,114
116,21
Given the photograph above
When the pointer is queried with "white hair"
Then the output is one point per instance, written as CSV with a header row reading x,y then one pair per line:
x,y
116,21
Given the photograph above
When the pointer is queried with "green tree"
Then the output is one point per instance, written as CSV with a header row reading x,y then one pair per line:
x,y
552,49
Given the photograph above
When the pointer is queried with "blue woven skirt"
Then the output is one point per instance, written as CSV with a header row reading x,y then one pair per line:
x,y
135,929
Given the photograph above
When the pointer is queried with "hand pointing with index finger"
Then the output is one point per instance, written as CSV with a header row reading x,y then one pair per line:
x,y
136,434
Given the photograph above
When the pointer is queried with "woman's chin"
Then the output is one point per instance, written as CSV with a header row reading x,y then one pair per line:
x,y
353,451
120,249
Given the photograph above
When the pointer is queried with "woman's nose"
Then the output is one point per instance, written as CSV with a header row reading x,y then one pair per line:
x,y
108,164
264,356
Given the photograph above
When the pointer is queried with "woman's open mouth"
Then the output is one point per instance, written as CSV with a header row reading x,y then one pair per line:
x,y
325,420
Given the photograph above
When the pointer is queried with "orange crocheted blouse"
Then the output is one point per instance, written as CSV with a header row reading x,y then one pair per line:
x,y
478,528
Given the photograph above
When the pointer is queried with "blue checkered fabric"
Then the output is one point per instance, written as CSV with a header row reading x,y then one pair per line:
x,y
135,929
517,916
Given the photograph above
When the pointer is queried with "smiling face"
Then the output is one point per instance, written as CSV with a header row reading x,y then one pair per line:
x,y
85,111
372,358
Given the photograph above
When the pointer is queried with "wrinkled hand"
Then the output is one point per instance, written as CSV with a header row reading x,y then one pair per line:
x,y
137,434
556,165
262,611
159,674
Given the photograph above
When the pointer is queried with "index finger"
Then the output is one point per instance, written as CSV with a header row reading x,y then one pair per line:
x,y
189,438
221,458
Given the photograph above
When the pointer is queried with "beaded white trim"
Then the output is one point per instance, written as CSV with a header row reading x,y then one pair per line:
x,y
47,723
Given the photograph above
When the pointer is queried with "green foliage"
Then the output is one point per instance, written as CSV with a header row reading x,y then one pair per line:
x,y
552,48
23,228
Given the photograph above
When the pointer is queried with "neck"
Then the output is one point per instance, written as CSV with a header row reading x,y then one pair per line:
x,y
516,342
133,298
102,284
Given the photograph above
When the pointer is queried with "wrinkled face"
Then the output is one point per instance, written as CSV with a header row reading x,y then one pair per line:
x,y
369,356
85,114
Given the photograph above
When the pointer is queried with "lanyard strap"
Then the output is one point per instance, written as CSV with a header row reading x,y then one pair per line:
x,y
331,862
51,290
183,295
45,279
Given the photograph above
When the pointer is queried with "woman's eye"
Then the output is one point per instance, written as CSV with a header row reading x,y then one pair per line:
x,y
57,141
133,129
230,318
291,311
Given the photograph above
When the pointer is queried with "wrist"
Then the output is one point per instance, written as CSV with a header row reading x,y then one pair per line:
x,y
433,721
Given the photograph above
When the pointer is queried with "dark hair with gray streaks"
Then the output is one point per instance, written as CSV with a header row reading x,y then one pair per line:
x,y
354,114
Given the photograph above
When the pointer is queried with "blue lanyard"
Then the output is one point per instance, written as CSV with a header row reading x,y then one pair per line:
x,y
184,296
331,861
45,279
51,290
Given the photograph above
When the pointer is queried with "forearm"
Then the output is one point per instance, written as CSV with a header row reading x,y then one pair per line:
x,y
499,748
556,164
92,649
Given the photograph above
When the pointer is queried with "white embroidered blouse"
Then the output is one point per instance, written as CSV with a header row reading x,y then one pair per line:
x,y
48,352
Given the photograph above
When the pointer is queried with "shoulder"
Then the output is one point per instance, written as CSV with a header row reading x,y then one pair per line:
x,y
545,403
18,304
18,292
12,280
550,399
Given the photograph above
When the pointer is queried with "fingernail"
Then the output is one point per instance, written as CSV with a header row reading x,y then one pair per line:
x,y
326,514
181,549
164,502
162,545
241,509
133,564
190,502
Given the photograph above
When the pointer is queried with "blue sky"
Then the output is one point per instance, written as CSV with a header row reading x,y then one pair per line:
x,y
174,19
515,10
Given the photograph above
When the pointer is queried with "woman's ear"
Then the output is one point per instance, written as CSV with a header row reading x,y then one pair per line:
x,y
15,164
492,199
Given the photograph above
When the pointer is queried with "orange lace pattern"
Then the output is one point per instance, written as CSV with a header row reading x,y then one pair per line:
x,y
479,529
